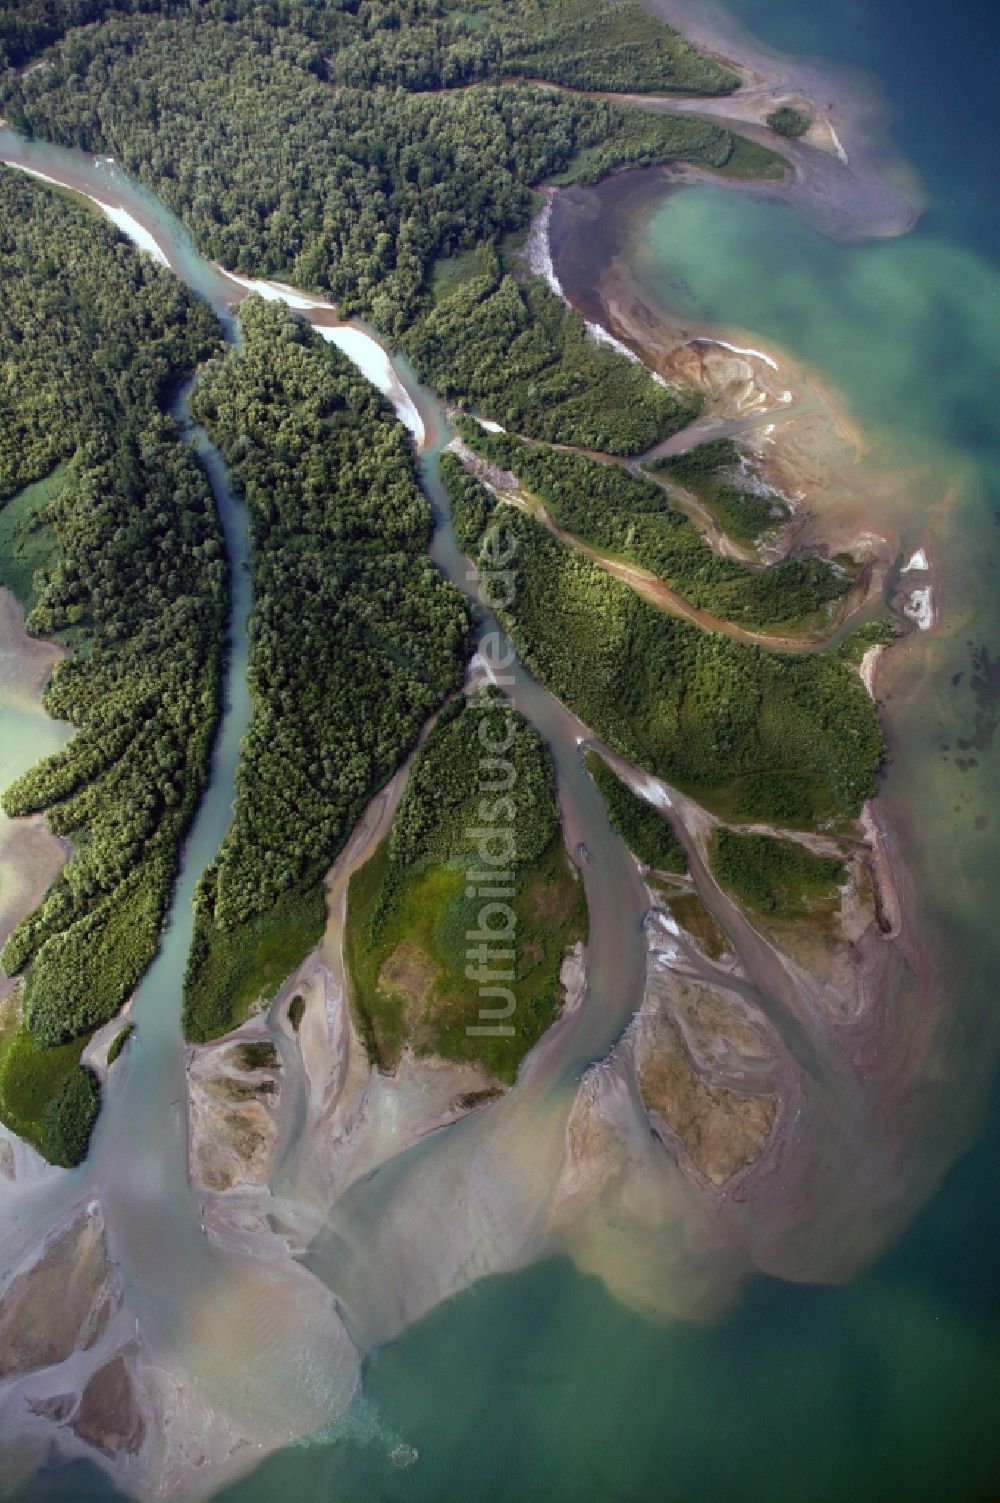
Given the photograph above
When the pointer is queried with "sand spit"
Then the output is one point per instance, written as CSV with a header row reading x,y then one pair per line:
x,y
135,231
847,178
868,667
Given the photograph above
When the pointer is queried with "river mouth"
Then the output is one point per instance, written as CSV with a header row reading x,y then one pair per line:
x,y
513,1148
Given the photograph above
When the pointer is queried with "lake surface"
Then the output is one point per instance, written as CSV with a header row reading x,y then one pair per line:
x,y
538,1385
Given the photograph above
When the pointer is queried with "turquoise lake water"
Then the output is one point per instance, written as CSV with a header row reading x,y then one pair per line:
x,y
539,1387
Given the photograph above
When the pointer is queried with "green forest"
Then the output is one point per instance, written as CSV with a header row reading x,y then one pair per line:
x,y
716,473
227,113
628,516
645,831
411,909
775,876
355,639
131,578
472,505
383,154
514,352
425,44
791,737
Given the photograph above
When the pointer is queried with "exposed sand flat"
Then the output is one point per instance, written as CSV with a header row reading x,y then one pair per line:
x,y
918,605
78,1379
136,232
61,1302
869,665
30,860
25,662
278,292
737,349
720,1130
234,1088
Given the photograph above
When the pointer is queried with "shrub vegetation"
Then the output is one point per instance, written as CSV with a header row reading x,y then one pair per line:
x,y
776,876
780,736
628,516
788,122
410,908
643,829
225,110
716,473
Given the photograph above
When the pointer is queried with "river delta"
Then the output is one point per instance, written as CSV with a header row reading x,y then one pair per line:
x,y
691,1193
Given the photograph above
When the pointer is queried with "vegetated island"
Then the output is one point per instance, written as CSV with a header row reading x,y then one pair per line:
x,y
413,905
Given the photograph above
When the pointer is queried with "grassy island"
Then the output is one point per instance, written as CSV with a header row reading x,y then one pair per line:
x,y
714,473
413,906
773,875
789,122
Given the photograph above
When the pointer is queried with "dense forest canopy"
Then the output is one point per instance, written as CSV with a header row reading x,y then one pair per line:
x,y
92,338
423,44
355,638
790,737
357,190
515,353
